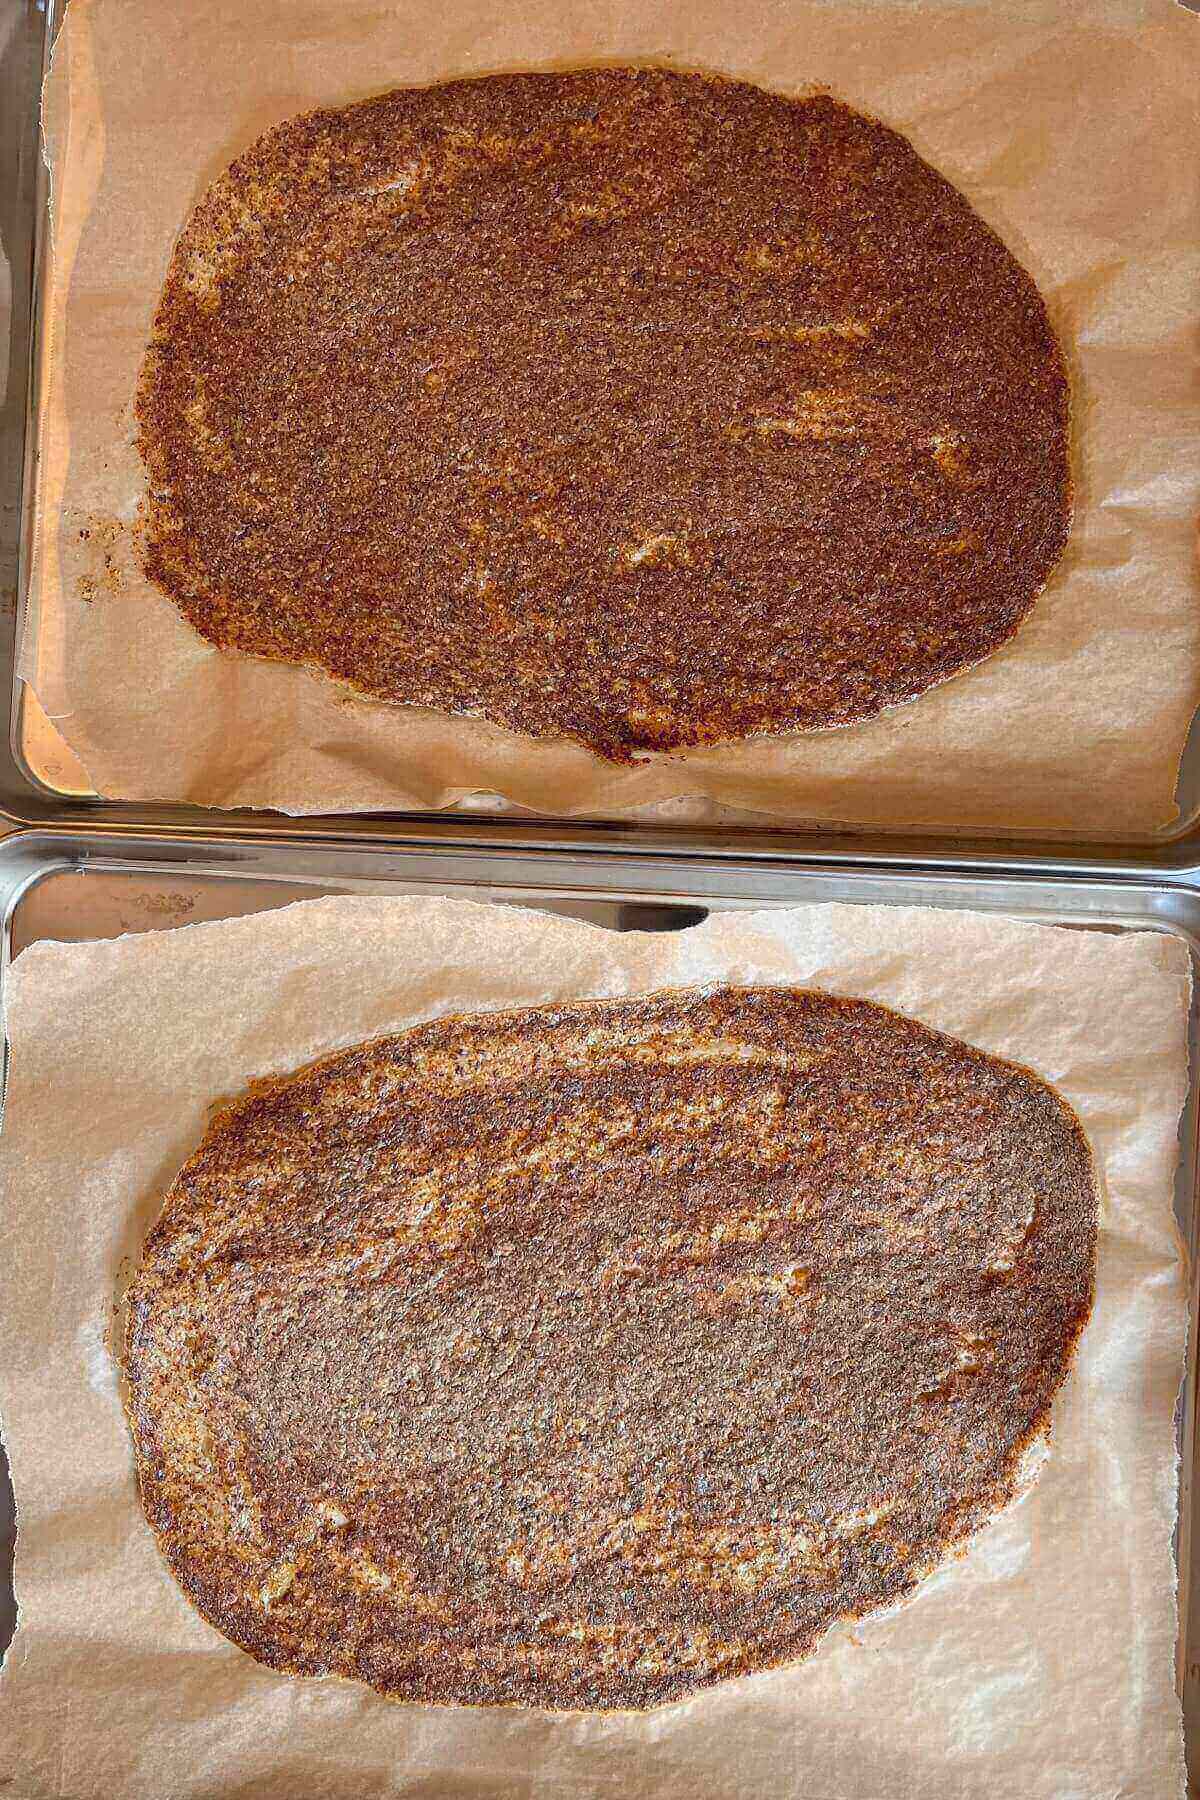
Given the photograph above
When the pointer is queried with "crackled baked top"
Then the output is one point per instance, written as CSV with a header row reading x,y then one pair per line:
x,y
644,409
584,1356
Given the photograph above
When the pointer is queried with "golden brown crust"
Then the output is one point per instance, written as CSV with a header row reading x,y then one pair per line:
x,y
586,1356
638,408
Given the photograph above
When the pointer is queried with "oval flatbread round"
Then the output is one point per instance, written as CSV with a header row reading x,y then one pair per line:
x,y
583,1357
641,409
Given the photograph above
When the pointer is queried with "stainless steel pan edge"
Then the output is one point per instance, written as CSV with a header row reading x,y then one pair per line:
x,y
67,884
31,796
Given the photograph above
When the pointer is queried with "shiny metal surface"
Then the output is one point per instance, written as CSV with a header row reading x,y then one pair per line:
x,y
79,885
41,781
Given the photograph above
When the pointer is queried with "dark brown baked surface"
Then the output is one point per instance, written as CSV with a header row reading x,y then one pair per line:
x,y
643,409
584,1356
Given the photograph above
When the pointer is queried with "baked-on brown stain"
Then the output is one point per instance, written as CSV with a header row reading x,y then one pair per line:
x,y
637,408
586,1356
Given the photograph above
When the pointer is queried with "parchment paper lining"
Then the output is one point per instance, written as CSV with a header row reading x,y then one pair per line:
x,y
1072,132
1039,1667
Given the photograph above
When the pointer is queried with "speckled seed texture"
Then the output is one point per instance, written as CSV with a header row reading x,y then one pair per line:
x,y
642,409
584,1357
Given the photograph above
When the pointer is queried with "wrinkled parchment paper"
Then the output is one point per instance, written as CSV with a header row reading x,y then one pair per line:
x,y
1038,1667
1071,128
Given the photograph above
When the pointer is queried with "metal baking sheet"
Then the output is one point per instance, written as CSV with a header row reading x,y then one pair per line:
x,y
41,780
77,886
